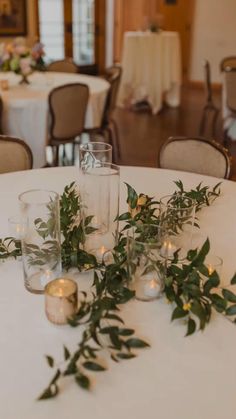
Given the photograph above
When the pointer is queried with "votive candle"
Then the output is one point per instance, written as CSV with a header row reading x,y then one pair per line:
x,y
60,300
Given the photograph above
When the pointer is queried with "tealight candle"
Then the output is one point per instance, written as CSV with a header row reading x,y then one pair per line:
x,y
100,253
60,300
152,289
168,249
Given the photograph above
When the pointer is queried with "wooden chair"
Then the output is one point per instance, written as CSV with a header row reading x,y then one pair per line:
x,y
1,111
108,128
228,62
67,109
210,111
63,66
15,155
229,93
197,155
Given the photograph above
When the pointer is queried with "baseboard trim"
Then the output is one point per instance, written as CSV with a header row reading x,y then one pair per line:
x,y
197,84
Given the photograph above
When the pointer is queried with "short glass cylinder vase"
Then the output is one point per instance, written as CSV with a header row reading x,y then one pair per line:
x,y
94,153
41,246
177,215
100,202
146,266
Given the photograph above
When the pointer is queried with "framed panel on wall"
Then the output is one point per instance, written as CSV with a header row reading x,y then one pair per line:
x,y
13,17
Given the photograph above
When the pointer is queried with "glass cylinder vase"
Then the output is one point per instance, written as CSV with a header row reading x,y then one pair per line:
x,y
177,215
100,207
94,153
41,249
146,265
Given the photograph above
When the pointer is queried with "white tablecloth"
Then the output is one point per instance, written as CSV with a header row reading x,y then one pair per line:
x,y
151,64
26,106
177,378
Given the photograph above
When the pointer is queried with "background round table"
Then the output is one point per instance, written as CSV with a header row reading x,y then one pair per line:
x,y
151,69
25,107
178,377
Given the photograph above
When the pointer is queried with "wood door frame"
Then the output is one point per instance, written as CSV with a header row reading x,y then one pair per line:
x,y
100,35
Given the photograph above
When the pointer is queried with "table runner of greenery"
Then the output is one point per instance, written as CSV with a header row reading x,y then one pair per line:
x,y
193,291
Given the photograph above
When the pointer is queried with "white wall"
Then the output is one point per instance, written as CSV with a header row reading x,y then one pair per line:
x,y
214,35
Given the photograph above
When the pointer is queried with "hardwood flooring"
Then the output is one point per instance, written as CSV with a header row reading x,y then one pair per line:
x,y
141,133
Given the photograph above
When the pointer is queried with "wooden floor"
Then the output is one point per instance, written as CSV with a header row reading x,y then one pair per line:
x,y
141,133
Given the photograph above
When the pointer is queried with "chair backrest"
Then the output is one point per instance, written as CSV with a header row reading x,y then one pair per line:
x,y
63,66
230,88
15,155
197,155
113,76
67,109
228,62
1,111
207,78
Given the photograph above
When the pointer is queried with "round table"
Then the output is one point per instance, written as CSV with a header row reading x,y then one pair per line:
x,y
178,377
151,69
25,107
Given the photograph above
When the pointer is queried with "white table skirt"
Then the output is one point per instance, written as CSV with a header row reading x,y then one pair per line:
x,y
151,65
178,377
26,106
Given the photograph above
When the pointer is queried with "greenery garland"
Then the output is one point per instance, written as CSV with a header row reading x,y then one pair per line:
x,y
192,290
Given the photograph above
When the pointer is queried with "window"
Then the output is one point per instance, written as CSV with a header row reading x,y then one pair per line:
x,y
83,31
52,29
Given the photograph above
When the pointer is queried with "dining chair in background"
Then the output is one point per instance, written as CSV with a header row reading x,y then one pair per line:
x,y
210,111
63,66
229,92
1,112
108,128
197,155
228,62
15,155
67,109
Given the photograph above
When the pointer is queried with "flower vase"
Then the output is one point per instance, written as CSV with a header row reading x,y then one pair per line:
x,y
24,80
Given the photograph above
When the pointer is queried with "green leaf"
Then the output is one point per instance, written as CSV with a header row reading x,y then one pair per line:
x,y
229,296
50,361
136,343
231,311
132,198
83,381
93,366
49,393
191,327
218,302
178,313
124,217
198,310
126,332
233,280
66,353
123,355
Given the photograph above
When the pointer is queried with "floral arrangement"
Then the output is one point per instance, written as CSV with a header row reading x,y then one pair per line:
x,y
21,59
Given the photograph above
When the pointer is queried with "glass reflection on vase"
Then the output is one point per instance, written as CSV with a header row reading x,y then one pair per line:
x,y
100,200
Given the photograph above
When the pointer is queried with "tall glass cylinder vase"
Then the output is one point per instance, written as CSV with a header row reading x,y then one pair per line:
x,y
41,250
146,265
94,153
177,215
100,201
